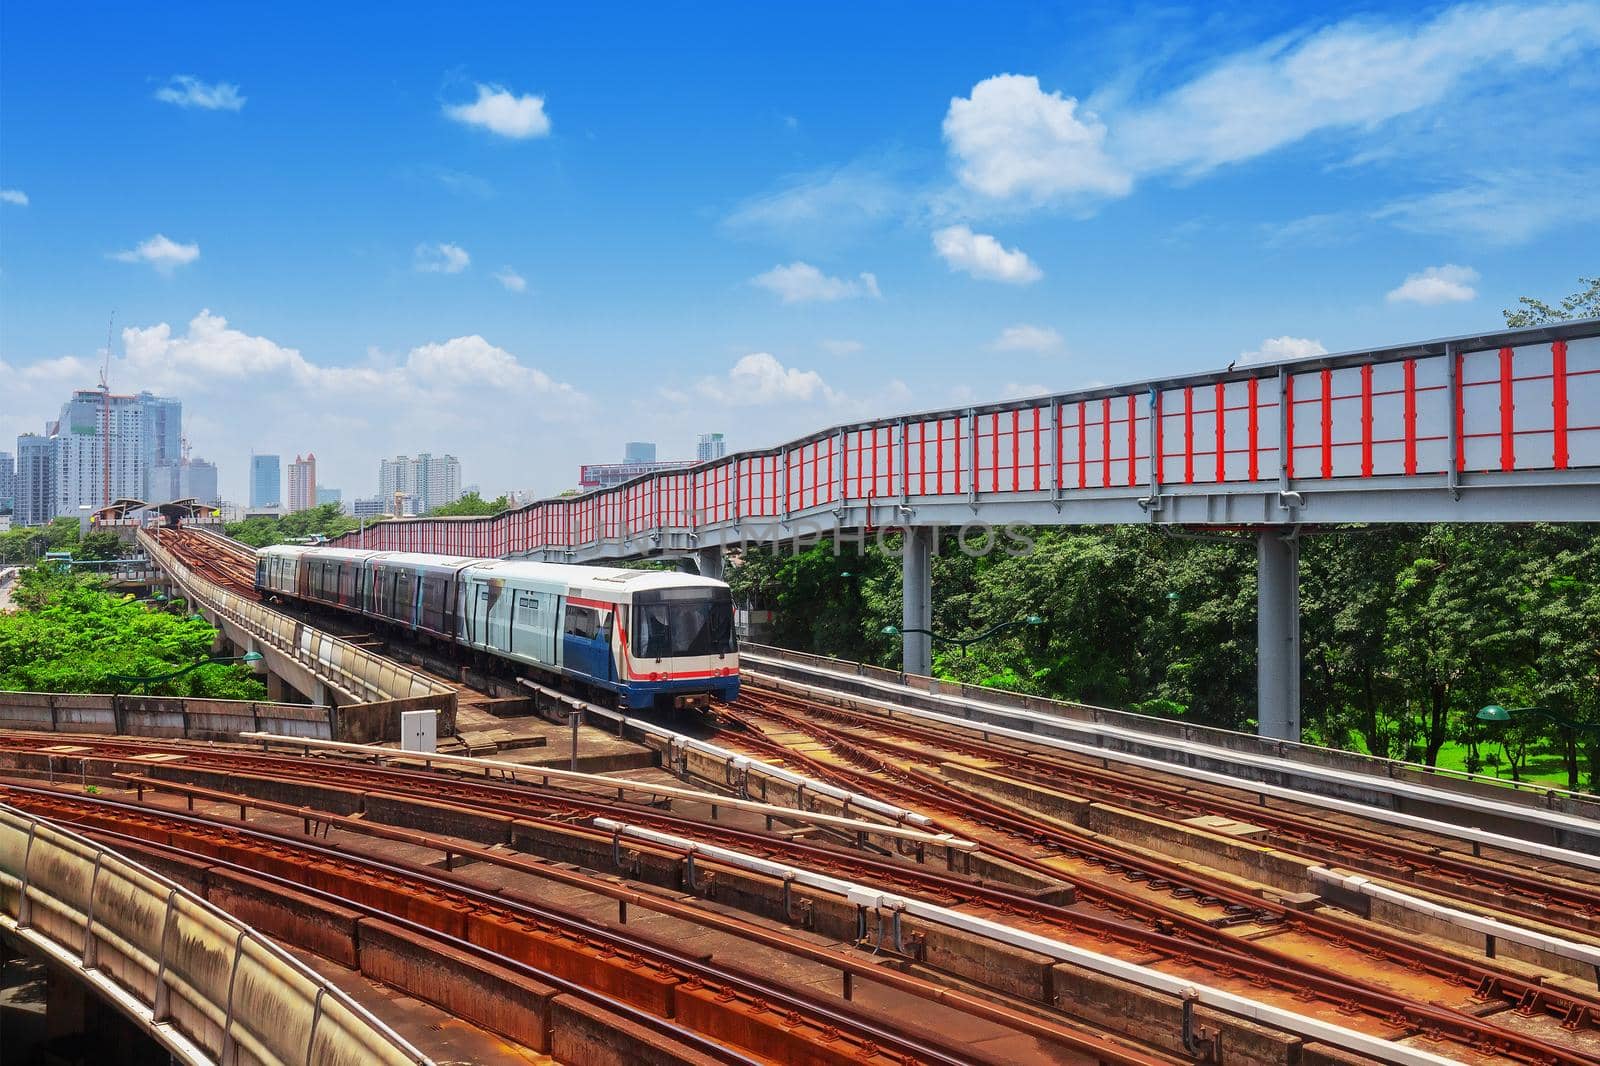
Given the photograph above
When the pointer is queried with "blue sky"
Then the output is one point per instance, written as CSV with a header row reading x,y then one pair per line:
x,y
524,236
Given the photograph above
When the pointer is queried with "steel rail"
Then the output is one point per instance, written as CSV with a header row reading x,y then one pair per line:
x,y
1491,928
1472,833
1360,849
868,897
862,801
706,971
604,886
975,808
1283,970
513,771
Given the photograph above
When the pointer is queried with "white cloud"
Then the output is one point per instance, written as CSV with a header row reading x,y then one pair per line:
x,y
1012,139
1505,207
1437,285
759,378
1286,347
1025,338
842,347
161,252
1353,74
186,90
14,196
501,111
984,257
441,258
513,281
815,208
803,283
350,413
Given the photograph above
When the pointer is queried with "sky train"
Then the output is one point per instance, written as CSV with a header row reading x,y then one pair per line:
x,y
652,637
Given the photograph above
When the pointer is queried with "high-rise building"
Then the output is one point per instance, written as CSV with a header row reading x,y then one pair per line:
x,y
8,481
104,447
162,445
432,481
329,496
36,480
303,483
197,480
639,451
710,446
266,485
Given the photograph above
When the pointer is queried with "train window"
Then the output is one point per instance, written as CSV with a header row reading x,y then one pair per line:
x,y
526,614
582,622
681,622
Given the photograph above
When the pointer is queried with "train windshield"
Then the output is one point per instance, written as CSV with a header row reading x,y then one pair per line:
x,y
680,622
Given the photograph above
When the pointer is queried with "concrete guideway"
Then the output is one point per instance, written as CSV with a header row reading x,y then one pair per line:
x,y
1585,829
207,987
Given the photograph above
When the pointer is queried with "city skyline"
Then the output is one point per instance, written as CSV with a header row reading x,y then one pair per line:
x,y
956,207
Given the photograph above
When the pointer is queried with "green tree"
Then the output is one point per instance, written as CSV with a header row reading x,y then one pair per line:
x,y
326,520
1585,303
73,636
470,504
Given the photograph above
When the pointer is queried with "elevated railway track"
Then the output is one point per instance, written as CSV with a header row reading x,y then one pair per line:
x,y
1103,853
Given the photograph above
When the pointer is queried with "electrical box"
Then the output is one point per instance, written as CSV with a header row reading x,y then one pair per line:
x,y
419,731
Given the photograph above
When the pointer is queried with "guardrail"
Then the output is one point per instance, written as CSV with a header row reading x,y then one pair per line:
x,y
159,716
377,686
209,988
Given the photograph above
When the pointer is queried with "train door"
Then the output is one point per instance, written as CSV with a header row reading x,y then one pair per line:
x,y
533,627
586,640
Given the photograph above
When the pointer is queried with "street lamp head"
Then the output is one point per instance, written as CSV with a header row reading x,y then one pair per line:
x,y
1494,713
1034,620
251,657
890,631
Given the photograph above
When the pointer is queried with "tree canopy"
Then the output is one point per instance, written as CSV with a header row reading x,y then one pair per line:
x,y
259,531
470,504
70,635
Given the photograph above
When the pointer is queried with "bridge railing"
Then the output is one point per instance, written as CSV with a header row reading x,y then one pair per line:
x,y
206,986
1475,422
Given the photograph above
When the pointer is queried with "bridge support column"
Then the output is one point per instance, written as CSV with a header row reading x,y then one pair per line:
x,y
277,691
709,562
916,568
1278,635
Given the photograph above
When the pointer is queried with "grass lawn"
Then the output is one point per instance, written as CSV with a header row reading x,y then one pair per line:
x,y
1543,769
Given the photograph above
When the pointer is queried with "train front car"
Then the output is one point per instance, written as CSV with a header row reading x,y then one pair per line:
x,y
678,641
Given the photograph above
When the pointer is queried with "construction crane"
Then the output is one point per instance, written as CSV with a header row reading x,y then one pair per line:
x,y
105,417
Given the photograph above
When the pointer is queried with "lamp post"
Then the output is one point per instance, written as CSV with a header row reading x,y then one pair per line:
x,y
1494,712
965,642
144,681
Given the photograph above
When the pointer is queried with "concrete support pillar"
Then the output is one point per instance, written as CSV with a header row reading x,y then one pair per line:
x,y
1277,635
319,694
916,568
709,562
276,689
